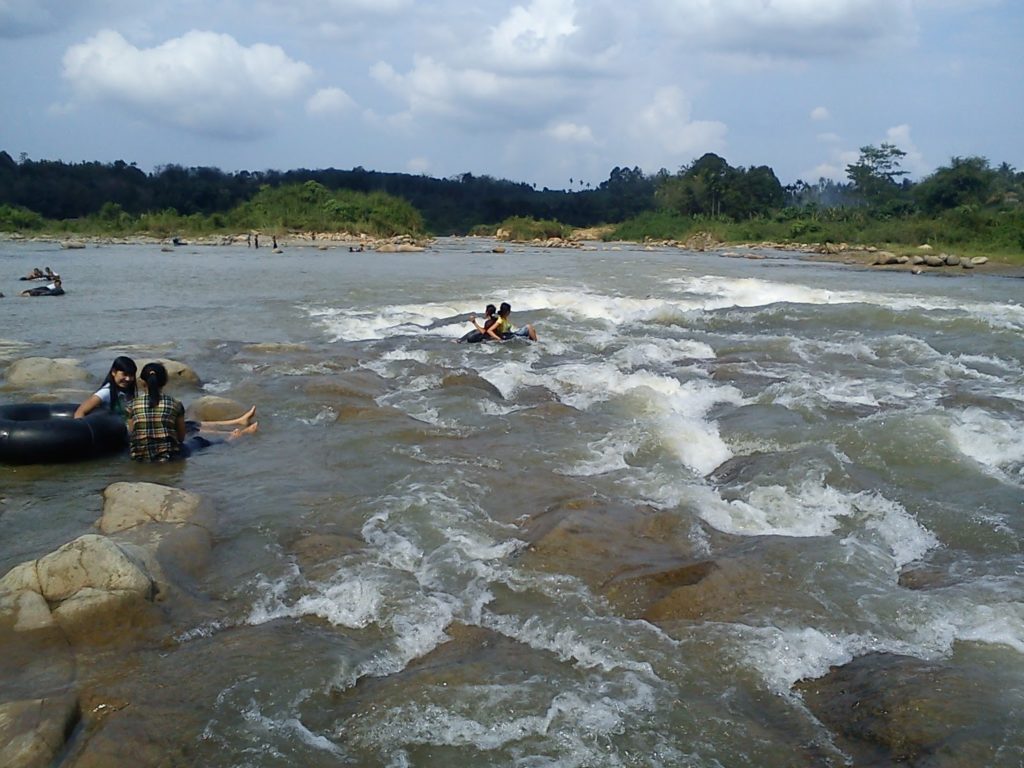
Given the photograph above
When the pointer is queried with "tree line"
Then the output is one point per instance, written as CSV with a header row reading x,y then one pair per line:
x,y
969,197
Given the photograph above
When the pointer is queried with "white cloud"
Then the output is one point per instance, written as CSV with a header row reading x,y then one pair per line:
x,y
666,124
342,8
825,171
535,35
899,135
418,165
759,31
433,87
834,168
474,96
329,101
820,113
571,132
203,82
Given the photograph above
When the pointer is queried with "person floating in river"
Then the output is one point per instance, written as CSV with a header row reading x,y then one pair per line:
x,y
503,330
35,274
51,289
479,331
156,422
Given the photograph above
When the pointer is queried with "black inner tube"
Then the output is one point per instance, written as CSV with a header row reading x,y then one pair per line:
x,y
45,433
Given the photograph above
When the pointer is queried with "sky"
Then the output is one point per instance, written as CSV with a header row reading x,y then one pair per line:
x,y
553,93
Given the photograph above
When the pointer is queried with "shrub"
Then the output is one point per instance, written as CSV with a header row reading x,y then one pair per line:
x,y
527,228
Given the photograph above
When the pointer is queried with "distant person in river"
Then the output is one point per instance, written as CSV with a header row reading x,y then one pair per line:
x,y
479,331
156,422
51,289
118,389
503,330
35,274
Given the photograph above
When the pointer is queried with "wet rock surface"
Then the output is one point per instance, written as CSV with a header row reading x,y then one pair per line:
x,y
886,709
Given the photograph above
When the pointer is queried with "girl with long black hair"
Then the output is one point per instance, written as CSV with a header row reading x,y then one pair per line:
x,y
116,391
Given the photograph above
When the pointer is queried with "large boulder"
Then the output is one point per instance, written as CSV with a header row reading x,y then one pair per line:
x,y
169,530
214,408
33,732
128,505
88,578
90,561
179,374
44,372
27,609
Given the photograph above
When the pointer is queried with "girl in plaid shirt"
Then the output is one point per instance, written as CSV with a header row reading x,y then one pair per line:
x,y
156,422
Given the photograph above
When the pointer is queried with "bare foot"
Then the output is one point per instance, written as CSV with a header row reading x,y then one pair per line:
x,y
247,417
249,430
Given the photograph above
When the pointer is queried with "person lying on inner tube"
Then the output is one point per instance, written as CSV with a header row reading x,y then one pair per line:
x,y
53,289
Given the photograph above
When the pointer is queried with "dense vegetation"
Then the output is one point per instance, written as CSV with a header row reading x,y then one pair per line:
x,y
968,205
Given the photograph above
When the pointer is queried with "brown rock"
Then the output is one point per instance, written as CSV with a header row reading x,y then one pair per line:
x,y
44,372
33,732
213,408
317,553
127,505
889,709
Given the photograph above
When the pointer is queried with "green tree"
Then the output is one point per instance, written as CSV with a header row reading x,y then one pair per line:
x,y
874,175
711,187
965,181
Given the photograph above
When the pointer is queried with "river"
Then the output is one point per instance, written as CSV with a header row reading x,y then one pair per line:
x,y
623,545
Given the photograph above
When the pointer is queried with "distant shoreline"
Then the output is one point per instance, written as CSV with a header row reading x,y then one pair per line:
x,y
861,256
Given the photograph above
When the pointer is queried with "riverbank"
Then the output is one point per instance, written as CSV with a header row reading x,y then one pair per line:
x,y
922,260
322,240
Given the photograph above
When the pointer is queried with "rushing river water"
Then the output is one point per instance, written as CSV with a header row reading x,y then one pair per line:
x,y
623,545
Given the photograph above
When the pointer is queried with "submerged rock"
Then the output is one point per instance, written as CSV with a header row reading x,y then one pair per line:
x,y
888,709
317,554
633,556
